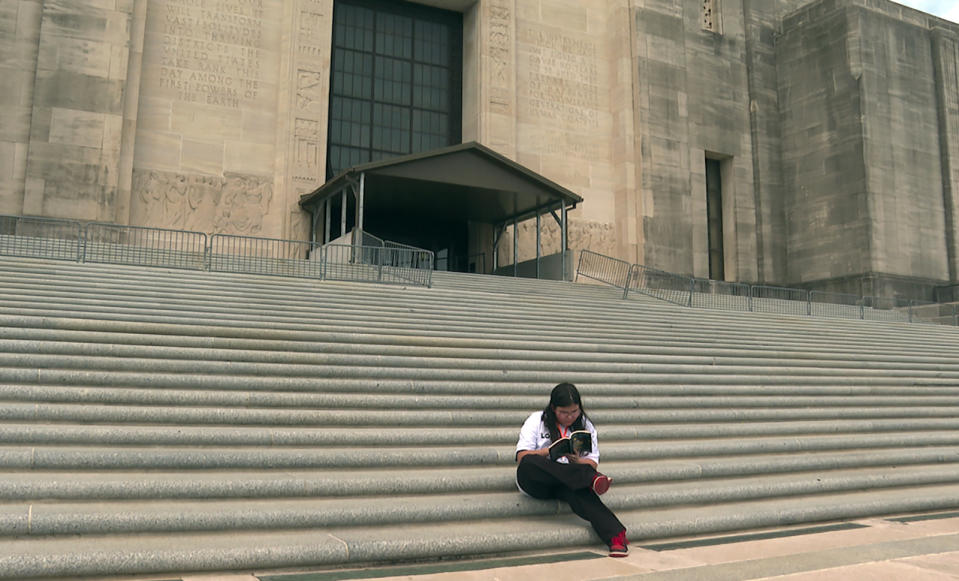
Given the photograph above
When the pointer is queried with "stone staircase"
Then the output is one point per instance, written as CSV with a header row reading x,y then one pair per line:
x,y
158,421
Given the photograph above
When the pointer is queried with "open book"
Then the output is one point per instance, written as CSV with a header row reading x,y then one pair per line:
x,y
579,443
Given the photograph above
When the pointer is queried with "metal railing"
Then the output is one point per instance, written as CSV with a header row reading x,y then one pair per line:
x,y
725,295
663,285
712,294
270,256
98,242
139,246
380,264
31,237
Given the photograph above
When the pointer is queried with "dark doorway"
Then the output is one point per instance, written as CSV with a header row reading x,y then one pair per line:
x,y
447,238
714,218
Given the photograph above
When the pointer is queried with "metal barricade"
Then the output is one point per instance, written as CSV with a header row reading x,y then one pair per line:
x,y
929,312
779,300
140,246
663,285
604,269
717,294
402,265
885,309
31,237
835,305
271,256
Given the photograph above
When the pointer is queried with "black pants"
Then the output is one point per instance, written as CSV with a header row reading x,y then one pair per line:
x,y
544,479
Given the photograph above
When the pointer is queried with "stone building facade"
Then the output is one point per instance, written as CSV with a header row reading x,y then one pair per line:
x,y
788,142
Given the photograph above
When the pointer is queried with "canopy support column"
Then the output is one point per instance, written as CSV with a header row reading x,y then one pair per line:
x,y
314,218
563,241
360,192
343,212
515,253
563,234
539,243
327,210
498,232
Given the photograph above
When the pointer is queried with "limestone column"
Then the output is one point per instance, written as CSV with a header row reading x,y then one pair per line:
x,y
131,103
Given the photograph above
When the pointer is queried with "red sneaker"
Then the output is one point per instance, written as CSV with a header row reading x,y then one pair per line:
x,y
618,545
601,483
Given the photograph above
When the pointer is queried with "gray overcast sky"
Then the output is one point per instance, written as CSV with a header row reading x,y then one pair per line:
x,y
948,9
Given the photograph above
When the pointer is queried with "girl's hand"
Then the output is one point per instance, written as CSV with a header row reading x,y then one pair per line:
x,y
574,459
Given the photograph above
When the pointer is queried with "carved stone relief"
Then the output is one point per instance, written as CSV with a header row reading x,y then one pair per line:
x,y
306,157
500,54
595,236
309,90
310,53
232,204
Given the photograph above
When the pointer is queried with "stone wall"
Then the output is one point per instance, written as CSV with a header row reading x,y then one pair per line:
x,y
837,123
946,61
206,129
866,143
19,42
826,198
901,146
693,102
76,108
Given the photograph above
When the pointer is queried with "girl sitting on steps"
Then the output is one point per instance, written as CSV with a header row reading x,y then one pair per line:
x,y
571,478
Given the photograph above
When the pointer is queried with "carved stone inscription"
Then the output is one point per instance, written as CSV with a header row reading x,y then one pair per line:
x,y
210,51
563,83
206,133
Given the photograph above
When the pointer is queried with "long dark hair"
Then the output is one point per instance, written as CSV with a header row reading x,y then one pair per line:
x,y
563,395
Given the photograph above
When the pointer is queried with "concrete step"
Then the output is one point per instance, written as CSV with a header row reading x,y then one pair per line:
x,y
432,355
390,507
103,482
46,434
698,317
404,299
92,333
426,366
426,399
65,556
53,457
90,413
186,420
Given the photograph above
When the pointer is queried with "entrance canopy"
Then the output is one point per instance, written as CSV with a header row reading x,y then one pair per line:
x,y
462,183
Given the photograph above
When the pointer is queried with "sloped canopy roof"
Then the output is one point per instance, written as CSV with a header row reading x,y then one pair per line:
x,y
466,181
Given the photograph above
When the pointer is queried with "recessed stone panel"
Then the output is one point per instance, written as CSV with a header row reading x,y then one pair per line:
x,y
73,127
